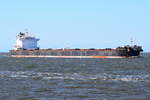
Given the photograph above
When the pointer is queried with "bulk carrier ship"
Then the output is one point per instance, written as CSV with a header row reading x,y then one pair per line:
x,y
26,46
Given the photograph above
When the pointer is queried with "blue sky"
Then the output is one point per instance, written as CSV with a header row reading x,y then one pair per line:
x,y
76,23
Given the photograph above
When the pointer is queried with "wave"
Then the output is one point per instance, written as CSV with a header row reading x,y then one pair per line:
x,y
71,76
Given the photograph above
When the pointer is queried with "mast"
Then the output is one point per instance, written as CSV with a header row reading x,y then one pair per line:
x,y
131,41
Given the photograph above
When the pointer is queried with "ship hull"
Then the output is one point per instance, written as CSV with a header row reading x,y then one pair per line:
x,y
37,56
76,53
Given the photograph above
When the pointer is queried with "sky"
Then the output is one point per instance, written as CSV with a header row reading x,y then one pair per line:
x,y
76,23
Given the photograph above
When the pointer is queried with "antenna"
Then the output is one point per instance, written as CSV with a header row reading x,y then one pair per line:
x,y
67,46
131,41
26,30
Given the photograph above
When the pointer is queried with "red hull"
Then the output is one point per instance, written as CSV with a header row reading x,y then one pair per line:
x,y
36,56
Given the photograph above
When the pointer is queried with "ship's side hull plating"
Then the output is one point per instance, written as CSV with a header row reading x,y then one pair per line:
x,y
76,53
36,56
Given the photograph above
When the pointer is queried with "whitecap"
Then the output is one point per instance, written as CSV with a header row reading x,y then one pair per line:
x,y
72,76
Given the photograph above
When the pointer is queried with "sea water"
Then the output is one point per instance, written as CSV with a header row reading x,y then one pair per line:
x,y
74,79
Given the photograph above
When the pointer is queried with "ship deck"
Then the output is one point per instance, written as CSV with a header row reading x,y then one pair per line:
x,y
46,56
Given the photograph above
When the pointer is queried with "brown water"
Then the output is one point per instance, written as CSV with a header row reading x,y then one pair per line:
x,y
74,79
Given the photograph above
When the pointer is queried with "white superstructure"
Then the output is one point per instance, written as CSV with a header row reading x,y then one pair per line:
x,y
26,41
